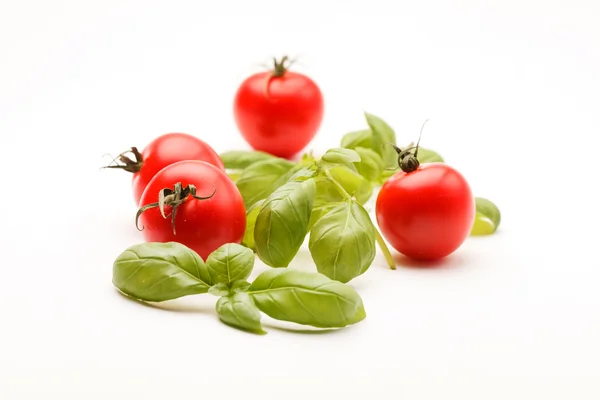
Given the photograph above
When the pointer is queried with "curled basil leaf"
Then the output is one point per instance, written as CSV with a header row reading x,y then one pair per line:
x,y
239,310
239,159
230,262
382,139
352,140
306,298
342,243
282,223
261,179
487,217
341,156
251,216
160,271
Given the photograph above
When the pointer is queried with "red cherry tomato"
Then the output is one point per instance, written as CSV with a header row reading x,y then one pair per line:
x,y
202,225
428,213
278,112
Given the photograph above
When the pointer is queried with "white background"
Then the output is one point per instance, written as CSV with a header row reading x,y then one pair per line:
x,y
512,91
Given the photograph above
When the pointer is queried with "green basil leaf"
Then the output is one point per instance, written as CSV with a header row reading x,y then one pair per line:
x,y
239,286
160,271
239,310
230,262
428,156
220,289
239,159
342,243
282,223
319,212
251,216
355,184
370,165
302,174
383,136
341,156
487,217
362,138
234,176
261,179
307,298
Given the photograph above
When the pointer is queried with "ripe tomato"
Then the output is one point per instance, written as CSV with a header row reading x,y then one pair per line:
x,y
428,213
202,225
278,112
162,151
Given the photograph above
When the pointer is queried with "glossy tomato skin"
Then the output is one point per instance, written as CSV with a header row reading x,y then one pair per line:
x,y
426,214
202,225
168,149
285,121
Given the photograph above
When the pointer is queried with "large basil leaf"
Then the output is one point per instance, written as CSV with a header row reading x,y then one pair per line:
x,y
341,156
428,156
251,216
342,243
240,159
160,271
282,222
306,298
487,217
239,310
370,165
352,140
260,179
230,262
383,136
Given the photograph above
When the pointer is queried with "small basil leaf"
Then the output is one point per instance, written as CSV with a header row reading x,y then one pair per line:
x,y
160,271
428,156
251,215
234,176
220,289
383,137
243,159
239,310
341,156
487,217
342,243
239,286
306,298
230,262
260,179
352,140
302,174
355,184
370,165
282,222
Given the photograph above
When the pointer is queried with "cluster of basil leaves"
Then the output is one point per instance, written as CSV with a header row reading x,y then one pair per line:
x,y
323,198
156,272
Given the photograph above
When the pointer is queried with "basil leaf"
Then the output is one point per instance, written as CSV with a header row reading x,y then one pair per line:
x,y
487,217
383,136
251,215
302,174
234,176
160,271
261,179
282,222
239,310
220,289
307,298
428,156
352,140
341,156
239,286
342,243
230,262
243,159
355,184
370,165
319,212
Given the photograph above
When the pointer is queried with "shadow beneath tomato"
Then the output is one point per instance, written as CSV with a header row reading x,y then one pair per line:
x,y
177,305
451,261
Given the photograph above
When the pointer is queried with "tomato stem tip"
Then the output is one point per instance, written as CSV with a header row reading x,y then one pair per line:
x,y
128,164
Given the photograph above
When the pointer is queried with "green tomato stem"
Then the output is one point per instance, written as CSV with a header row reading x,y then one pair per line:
x,y
384,249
